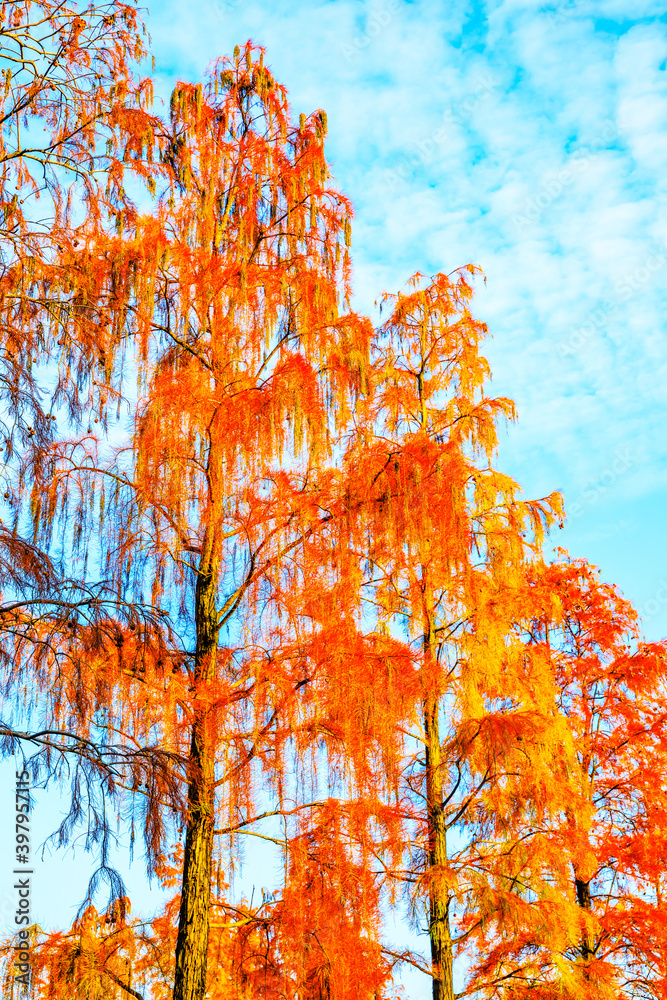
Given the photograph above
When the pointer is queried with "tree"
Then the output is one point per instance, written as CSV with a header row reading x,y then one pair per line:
x,y
446,542
71,115
68,89
420,494
293,486
602,859
234,292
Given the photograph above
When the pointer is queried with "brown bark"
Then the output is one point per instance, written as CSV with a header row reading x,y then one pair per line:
x,y
194,917
584,901
442,959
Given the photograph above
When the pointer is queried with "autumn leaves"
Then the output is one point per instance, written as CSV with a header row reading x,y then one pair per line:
x,y
301,603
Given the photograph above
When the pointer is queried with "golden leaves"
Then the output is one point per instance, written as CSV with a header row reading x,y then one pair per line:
x,y
344,573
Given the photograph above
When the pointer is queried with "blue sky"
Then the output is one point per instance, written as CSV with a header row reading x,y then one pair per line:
x,y
531,140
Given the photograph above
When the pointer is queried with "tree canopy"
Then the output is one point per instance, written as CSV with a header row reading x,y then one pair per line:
x,y
262,578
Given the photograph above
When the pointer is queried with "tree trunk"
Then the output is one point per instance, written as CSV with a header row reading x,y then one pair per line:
x,y
194,917
584,901
442,959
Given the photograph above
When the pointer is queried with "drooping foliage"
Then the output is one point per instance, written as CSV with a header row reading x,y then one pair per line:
x,y
249,360
72,115
597,929
303,606
446,546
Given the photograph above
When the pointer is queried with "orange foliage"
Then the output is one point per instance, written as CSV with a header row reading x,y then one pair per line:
x,y
71,115
600,859
299,591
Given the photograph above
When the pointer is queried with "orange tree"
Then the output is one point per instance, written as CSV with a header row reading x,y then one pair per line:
x,y
286,468
596,928
300,669
232,296
445,543
71,116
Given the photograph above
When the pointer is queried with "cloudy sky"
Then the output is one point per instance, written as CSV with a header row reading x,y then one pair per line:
x,y
530,140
